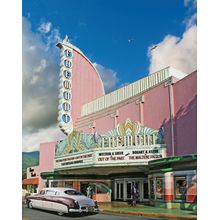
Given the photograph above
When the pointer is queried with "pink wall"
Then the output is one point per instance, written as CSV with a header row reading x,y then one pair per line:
x,y
86,84
46,159
185,99
156,107
104,124
156,112
130,110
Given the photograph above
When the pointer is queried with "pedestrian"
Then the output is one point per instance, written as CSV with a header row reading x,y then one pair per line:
x,y
89,192
134,195
183,190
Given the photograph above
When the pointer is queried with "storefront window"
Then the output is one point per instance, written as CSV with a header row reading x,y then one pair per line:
x,y
180,187
68,184
159,188
191,194
54,184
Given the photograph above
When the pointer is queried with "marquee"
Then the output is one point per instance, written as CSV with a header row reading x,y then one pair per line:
x,y
129,143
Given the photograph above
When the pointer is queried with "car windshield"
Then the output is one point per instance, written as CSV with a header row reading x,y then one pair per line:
x,y
73,192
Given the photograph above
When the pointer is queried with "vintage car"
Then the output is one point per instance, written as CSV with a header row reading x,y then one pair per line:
x,y
62,200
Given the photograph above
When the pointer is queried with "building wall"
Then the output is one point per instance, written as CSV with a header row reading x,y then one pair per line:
x,y
156,113
130,110
86,84
104,124
46,159
156,107
33,172
185,99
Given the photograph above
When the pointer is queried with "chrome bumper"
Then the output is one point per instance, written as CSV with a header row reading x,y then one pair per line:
x,y
85,209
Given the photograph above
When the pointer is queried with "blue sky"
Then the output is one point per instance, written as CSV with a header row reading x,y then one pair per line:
x,y
102,30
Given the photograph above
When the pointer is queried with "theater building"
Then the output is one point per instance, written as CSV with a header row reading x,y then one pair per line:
x,y
143,133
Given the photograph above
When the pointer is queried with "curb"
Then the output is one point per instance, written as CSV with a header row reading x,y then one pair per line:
x,y
150,214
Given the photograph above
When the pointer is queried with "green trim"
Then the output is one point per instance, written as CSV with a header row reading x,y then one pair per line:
x,y
166,169
173,159
49,175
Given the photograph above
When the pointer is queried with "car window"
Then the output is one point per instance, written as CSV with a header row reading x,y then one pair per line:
x,y
42,192
57,193
50,192
73,192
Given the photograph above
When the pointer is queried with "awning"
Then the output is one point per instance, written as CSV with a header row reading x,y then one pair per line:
x,y
173,163
32,181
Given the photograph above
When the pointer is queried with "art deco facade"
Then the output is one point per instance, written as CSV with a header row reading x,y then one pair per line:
x,y
143,133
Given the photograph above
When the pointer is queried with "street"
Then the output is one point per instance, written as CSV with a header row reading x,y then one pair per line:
x,y
36,214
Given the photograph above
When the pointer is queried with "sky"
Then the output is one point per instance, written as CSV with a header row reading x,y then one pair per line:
x,y
116,35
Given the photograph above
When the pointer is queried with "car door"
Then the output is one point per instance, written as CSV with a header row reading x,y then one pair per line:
x,y
37,201
47,201
58,204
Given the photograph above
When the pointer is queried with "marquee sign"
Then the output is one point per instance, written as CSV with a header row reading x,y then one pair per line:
x,y
110,157
128,142
65,92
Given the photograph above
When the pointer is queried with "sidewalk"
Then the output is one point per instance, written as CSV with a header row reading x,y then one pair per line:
x,y
146,210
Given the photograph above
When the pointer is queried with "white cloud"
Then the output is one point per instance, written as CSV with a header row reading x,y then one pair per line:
x,y
52,39
31,141
41,67
108,76
40,79
45,27
189,22
180,53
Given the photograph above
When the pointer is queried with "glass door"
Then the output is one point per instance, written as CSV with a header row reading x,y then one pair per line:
x,y
129,186
119,190
145,190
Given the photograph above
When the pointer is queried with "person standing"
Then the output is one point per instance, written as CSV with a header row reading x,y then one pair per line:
x,y
134,195
88,191
183,190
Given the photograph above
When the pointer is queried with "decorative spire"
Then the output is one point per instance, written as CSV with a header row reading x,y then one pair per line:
x,y
66,39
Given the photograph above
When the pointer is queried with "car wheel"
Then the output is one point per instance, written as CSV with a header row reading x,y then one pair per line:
x,y
60,213
30,206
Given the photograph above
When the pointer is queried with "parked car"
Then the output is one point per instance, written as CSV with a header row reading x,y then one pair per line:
x,y
62,200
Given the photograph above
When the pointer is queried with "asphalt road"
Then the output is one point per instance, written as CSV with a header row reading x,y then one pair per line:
x,y
36,214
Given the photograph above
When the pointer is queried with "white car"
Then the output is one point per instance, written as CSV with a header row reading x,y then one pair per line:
x,y
62,200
